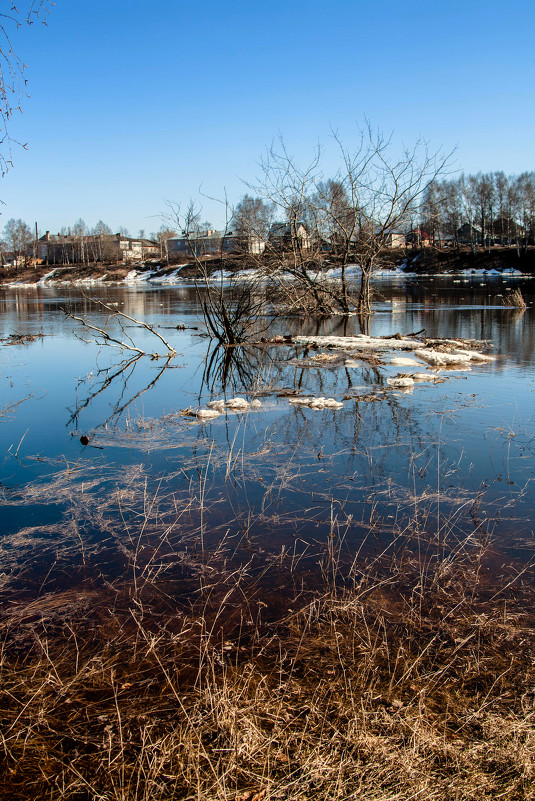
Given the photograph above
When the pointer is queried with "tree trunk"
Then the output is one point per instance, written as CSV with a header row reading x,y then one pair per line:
x,y
344,300
365,304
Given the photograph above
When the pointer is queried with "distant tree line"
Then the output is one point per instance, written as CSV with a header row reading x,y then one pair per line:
x,y
479,210
493,208
483,209
294,219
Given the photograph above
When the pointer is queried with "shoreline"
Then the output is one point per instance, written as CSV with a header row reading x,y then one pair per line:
x,y
506,262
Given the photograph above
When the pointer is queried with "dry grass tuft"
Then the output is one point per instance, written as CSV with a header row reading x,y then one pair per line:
x,y
515,299
402,679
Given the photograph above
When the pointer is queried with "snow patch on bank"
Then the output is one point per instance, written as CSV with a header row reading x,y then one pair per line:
x,y
507,272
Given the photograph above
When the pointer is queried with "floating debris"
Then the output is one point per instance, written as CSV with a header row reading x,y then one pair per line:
x,y
21,339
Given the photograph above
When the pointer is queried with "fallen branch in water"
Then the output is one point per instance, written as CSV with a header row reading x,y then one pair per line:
x,y
170,350
112,341
21,339
106,336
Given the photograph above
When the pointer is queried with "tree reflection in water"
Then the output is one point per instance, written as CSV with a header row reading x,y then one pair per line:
x,y
121,373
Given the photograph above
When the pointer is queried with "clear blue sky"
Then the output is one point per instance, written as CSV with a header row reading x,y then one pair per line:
x,y
135,102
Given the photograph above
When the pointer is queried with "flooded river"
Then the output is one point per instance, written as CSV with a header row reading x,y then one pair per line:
x,y
453,459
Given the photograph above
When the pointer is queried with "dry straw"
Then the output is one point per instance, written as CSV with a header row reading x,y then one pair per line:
x,y
403,676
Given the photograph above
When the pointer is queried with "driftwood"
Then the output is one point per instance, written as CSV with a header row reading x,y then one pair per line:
x,y
124,344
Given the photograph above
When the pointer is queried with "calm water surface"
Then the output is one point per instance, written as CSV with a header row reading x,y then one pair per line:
x,y
456,456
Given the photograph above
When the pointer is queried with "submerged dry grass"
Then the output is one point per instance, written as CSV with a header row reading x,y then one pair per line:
x,y
410,676
206,668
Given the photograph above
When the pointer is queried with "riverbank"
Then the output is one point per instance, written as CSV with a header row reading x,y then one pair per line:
x,y
428,261
407,676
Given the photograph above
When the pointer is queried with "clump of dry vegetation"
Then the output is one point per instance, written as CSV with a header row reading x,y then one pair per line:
x,y
515,299
409,676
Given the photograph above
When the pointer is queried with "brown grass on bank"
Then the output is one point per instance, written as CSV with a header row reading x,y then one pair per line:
x,y
407,680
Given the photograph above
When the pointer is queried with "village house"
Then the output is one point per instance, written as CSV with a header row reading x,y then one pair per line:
x,y
394,239
505,231
213,243
469,234
251,244
69,249
418,238
200,243
287,236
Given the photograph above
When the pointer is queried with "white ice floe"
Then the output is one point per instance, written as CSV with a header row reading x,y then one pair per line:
x,y
138,277
400,381
331,403
426,377
237,404
437,358
256,404
45,278
317,403
454,356
218,405
86,281
474,355
404,361
359,342
207,414
508,271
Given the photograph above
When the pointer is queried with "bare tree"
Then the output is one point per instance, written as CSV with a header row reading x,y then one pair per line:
x,y
294,254
251,222
101,229
432,221
384,187
162,237
525,185
81,252
13,69
17,237
230,308
372,196
338,219
481,189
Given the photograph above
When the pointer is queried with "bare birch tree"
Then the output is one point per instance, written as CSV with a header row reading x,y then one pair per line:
x,y
18,237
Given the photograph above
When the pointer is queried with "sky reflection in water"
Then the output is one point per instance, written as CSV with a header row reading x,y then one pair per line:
x,y
279,477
